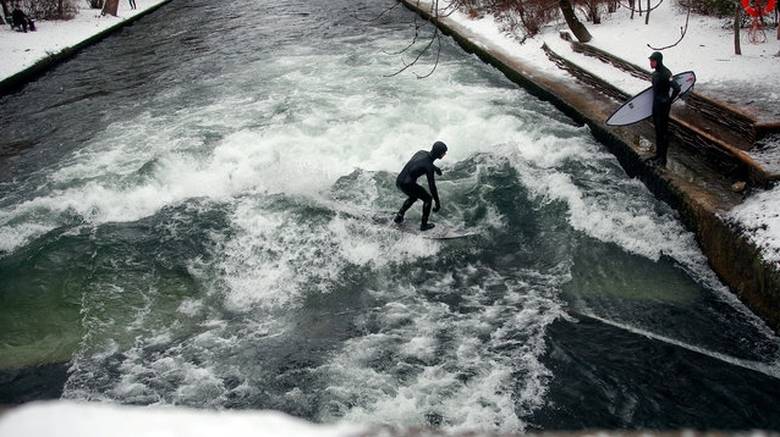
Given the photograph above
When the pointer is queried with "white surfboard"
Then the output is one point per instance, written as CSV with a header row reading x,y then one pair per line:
x,y
640,106
442,231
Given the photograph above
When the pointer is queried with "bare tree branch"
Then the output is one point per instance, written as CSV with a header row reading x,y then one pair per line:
x,y
411,44
436,63
436,14
682,34
381,14
419,55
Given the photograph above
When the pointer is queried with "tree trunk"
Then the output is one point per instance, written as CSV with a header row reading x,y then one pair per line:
x,y
737,20
6,12
577,28
647,16
594,12
631,3
110,7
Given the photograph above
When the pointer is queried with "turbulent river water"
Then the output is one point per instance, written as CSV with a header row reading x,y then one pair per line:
x,y
184,221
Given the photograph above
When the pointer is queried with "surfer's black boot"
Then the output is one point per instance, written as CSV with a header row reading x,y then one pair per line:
x,y
657,161
426,226
399,218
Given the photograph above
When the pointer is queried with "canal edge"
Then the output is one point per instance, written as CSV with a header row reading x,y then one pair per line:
x,y
733,257
18,80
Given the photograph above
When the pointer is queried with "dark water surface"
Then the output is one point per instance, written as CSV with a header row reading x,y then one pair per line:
x,y
185,219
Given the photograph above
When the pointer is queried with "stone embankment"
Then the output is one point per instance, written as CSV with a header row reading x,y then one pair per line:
x,y
710,159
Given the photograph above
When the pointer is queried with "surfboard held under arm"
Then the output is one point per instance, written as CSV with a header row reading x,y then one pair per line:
x,y
640,106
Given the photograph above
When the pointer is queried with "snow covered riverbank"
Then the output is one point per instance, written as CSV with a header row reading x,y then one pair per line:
x,y
22,50
707,48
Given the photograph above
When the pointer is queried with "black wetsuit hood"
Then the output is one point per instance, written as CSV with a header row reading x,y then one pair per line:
x,y
438,150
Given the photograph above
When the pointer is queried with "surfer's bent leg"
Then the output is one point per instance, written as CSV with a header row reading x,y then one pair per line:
x,y
409,190
407,204
427,203
415,191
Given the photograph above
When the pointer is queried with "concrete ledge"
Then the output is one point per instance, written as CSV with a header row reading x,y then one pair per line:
x,y
16,82
692,186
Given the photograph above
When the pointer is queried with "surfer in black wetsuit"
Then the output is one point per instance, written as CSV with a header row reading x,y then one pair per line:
x,y
662,104
421,164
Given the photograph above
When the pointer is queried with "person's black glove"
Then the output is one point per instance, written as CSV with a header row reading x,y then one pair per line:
x,y
437,170
436,207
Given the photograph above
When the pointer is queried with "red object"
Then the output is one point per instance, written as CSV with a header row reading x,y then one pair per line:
x,y
755,12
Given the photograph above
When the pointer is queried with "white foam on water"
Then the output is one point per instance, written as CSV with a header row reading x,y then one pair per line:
x,y
15,235
275,257
159,370
601,201
434,363
605,205
190,307
293,143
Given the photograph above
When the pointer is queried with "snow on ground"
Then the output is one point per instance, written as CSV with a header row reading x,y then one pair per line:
x,y
748,81
707,49
530,52
19,50
67,418
759,215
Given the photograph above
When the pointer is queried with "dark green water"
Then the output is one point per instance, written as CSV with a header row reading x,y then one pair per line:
x,y
183,223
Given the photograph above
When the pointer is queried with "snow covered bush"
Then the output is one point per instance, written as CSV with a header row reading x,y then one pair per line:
x,y
49,9
591,9
521,18
719,8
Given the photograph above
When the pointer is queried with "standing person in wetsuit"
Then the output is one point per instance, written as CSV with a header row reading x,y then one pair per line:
x,y
662,104
421,164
